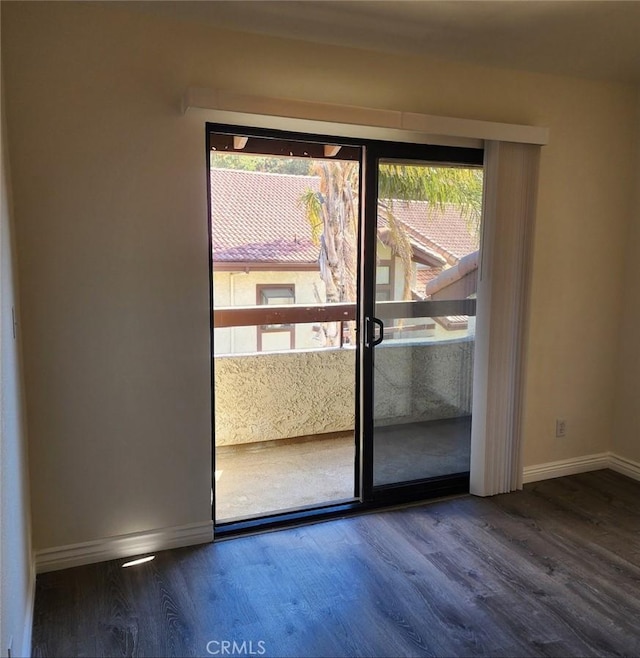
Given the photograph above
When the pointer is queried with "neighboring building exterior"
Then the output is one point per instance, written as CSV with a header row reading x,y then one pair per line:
x,y
263,253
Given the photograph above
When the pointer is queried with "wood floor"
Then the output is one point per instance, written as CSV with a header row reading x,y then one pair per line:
x,y
553,570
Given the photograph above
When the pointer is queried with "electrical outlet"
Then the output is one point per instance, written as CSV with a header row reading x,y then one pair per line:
x,y
561,428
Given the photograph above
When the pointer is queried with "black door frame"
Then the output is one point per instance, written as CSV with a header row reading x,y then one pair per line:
x,y
366,496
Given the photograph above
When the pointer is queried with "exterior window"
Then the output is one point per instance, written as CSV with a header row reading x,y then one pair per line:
x,y
273,337
384,281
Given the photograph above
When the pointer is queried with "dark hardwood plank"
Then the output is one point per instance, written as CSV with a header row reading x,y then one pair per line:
x,y
553,570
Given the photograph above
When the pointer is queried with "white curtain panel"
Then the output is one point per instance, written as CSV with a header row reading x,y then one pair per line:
x,y
511,180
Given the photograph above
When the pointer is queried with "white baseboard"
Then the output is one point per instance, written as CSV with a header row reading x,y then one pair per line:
x,y
565,467
625,466
112,548
582,465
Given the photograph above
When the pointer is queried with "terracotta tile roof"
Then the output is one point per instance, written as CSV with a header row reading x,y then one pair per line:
x,y
424,275
258,216
444,229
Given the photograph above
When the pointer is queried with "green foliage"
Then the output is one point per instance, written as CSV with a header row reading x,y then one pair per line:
x,y
270,164
440,186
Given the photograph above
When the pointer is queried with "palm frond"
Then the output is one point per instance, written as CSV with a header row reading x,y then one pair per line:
x,y
439,186
313,209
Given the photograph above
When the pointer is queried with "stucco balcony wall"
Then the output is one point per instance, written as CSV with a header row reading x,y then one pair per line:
x,y
278,395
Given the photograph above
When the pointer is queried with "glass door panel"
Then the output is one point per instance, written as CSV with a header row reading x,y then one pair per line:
x,y
284,231
428,227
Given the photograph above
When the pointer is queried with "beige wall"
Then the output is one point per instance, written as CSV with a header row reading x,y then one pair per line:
x,y
110,199
626,435
17,577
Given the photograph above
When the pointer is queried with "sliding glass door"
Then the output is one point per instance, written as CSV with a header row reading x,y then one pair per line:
x,y
343,278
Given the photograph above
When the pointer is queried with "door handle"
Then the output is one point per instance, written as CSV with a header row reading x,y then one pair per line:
x,y
376,341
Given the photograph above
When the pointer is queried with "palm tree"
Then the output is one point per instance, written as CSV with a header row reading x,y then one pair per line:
x,y
332,213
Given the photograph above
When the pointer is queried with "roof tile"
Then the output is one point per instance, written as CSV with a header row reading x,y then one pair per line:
x,y
258,216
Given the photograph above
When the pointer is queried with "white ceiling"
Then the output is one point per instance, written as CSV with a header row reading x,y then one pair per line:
x,y
595,39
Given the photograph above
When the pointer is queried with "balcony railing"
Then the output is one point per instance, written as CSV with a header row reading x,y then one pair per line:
x,y
246,316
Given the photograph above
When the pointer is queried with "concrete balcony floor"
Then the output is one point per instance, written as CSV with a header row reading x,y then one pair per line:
x,y
258,479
